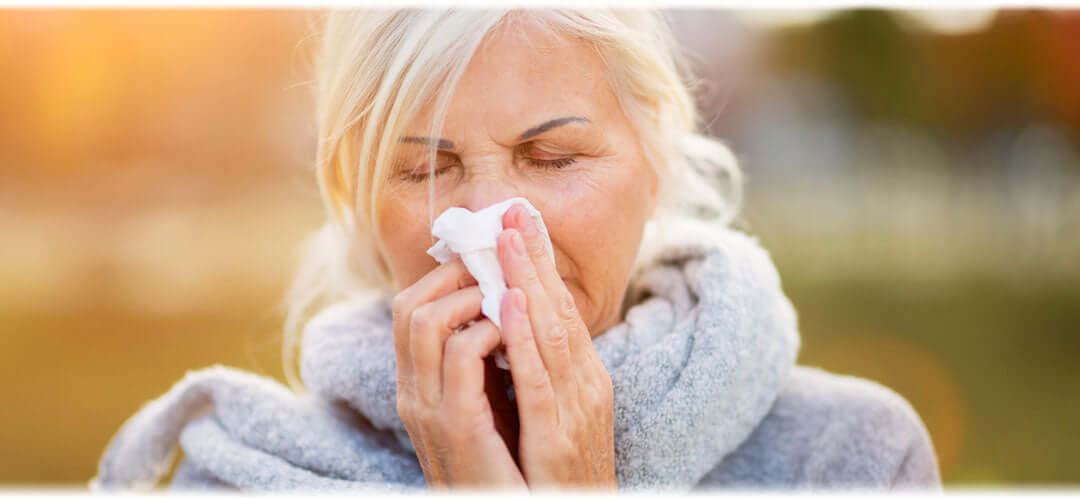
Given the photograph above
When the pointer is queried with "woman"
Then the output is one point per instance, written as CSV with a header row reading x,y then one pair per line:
x,y
653,348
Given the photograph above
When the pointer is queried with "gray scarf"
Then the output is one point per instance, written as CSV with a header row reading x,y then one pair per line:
x,y
706,344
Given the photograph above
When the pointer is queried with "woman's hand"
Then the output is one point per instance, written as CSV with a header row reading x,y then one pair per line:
x,y
563,391
440,382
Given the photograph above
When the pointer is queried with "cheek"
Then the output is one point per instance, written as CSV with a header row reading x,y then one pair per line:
x,y
603,213
598,225
404,238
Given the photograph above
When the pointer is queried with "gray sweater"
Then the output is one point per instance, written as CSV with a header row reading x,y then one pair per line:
x,y
832,431
824,431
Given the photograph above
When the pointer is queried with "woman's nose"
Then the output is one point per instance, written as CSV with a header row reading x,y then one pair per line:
x,y
482,191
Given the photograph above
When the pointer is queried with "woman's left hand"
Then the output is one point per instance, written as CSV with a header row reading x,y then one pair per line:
x,y
563,391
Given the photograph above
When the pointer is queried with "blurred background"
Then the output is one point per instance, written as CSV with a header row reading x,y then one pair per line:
x,y
914,174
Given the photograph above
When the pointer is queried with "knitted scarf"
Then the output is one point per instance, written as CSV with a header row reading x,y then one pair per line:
x,y
707,342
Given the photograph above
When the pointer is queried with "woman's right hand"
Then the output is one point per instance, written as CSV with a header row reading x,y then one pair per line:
x,y
440,382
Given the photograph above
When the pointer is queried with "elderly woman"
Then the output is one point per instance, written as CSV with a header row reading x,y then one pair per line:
x,y
649,347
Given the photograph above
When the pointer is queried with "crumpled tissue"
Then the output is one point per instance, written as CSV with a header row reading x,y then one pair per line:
x,y
472,235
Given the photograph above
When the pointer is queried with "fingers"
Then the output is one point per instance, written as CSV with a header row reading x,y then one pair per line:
x,y
532,387
463,363
442,280
535,244
550,333
560,297
429,327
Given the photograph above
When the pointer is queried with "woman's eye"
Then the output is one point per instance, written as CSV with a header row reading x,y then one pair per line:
x,y
421,173
533,151
418,176
559,163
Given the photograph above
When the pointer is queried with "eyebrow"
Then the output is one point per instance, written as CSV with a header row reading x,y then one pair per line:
x,y
548,125
537,130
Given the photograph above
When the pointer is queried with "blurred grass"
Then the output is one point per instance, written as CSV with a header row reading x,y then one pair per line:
x,y
989,366
962,311
84,348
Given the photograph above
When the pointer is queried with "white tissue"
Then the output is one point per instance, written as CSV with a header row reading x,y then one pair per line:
x,y
472,236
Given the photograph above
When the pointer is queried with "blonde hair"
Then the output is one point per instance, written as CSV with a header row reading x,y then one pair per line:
x,y
376,68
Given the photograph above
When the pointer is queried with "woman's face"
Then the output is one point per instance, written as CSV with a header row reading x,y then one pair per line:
x,y
533,116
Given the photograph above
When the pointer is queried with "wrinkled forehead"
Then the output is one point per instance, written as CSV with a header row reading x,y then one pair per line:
x,y
520,77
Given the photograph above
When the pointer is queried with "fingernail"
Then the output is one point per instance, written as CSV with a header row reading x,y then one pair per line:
x,y
517,244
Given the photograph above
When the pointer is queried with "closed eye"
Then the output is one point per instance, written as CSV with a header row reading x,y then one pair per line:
x,y
559,163
421,173
532,151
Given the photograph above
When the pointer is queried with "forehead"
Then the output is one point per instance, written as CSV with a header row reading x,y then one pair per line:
x,y
528,52
522,75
